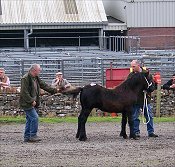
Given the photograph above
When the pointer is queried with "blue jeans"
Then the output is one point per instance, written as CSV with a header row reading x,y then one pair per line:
x,y
135,115
31,127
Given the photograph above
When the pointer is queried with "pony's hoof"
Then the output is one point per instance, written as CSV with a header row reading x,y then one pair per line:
x,y
82,138
124,136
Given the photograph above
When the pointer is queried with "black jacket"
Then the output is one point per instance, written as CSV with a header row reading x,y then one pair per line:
x,y
168,84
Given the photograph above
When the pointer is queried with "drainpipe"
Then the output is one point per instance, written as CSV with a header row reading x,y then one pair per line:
x,y
26,38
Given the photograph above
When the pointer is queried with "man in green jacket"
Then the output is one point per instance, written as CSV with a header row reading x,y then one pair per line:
x,y
30,100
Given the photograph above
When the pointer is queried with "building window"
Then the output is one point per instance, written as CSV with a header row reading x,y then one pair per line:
x,y
70,7
0,8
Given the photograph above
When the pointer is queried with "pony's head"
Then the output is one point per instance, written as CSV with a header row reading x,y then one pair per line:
x,y
143,81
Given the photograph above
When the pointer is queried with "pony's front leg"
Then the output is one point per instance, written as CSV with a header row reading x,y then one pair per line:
x,y
82,130
123,125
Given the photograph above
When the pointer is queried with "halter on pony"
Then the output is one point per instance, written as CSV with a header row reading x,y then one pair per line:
x,y
149,84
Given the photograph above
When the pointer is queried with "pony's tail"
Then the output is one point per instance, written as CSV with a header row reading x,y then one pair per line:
x,y
75,91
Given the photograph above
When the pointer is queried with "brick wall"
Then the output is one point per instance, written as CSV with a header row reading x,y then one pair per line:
x,y
155,38
51,105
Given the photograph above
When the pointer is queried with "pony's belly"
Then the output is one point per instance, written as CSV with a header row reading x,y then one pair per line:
x,y
111,109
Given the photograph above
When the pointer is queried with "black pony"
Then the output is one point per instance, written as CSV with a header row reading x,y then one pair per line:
x,y
118,100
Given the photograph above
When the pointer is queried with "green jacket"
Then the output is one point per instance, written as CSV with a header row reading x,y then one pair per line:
x,y
30,90
141,96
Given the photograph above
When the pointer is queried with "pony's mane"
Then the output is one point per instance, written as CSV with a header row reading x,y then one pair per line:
x,y
131,81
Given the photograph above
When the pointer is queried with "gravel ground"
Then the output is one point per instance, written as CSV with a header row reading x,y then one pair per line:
x,y
104,147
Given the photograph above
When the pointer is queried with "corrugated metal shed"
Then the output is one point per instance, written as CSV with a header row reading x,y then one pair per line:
x,y
150,13
52,11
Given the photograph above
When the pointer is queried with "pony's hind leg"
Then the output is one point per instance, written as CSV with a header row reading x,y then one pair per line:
x,y
79,125
123,126
81,133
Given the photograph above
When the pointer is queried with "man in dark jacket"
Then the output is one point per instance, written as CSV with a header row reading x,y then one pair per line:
x,y
30,100
170,85
136,67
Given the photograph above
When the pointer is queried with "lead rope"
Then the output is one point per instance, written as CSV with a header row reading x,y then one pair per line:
x,y
145,104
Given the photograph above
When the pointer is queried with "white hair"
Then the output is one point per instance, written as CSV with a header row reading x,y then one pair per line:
x,y
34,66
2,69
136,62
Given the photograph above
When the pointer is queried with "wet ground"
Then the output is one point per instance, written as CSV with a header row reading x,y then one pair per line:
x,y
104,147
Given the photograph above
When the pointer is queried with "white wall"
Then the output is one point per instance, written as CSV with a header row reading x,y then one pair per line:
x,y
115,8
142,13
151,13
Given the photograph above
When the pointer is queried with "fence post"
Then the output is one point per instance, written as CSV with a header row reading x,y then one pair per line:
x,y
22,67
110,48
129,44
82,75
102,72
104,42
79,43
157,79
158,100
25,40
35,45
62,67
100,38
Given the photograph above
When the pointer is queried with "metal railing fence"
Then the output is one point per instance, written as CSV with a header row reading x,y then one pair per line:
x,y
109,43
84,70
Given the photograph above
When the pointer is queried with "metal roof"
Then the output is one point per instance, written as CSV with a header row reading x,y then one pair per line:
x,y
52,11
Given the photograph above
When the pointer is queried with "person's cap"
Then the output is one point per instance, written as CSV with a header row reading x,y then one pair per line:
x,y
59,73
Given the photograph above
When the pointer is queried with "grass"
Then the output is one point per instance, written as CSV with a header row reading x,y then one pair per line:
x,y
21,119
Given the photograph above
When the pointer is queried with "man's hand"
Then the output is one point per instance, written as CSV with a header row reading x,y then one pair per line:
x,y
172,86
56,80
67,86
34,103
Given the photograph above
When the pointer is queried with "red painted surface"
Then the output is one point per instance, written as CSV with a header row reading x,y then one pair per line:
x,y
114,77
157,78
